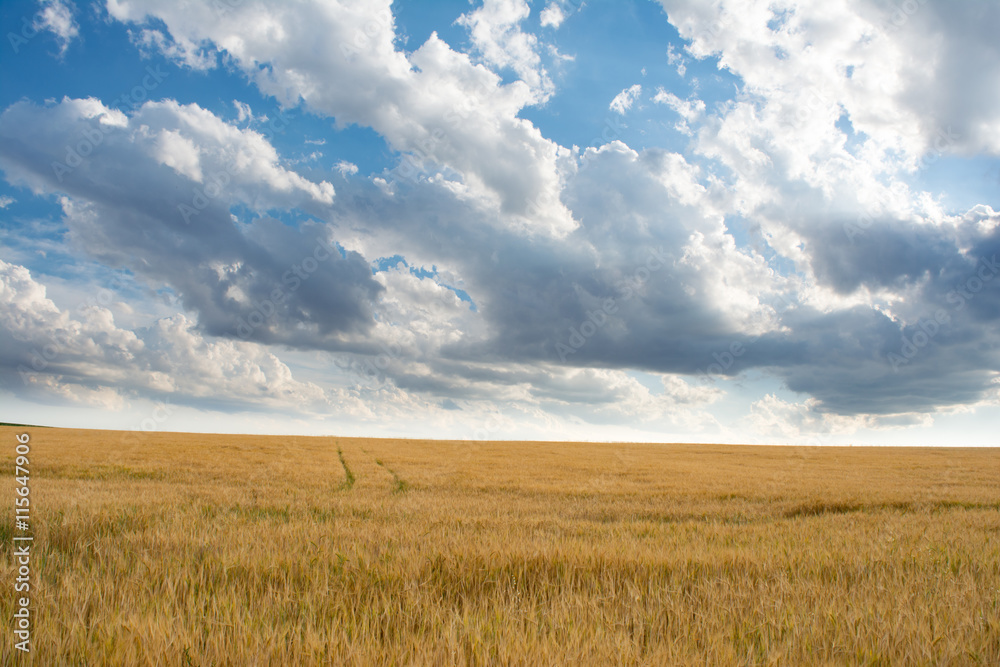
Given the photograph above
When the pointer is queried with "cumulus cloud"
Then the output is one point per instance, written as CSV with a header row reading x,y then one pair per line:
x,y
496,35
434,104
868,60
818,145
162,211
552,16
256,281
84,357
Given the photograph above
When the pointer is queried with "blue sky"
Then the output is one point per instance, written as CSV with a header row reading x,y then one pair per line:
x,y
661,221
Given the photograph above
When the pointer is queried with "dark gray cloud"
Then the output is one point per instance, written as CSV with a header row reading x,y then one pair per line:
x,y
264,281
537,294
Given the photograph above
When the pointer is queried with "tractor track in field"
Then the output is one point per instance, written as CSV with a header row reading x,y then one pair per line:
x,y
399,485
349,477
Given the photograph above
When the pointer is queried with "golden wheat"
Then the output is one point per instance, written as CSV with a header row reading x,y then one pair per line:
x,y
174,549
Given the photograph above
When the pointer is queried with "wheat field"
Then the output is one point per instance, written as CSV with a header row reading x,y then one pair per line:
x,y
188,549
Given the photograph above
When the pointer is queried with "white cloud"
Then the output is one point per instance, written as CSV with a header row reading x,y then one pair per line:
x,y
191,140
496,34
433,103
179,153
821,140
85,357
180,229
552,16
676,59
184,51
57,17
900,86
690,110
346,168
243,110
623,101
805,423
6,201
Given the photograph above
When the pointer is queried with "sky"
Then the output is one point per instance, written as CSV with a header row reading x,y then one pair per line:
x,y
614,220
